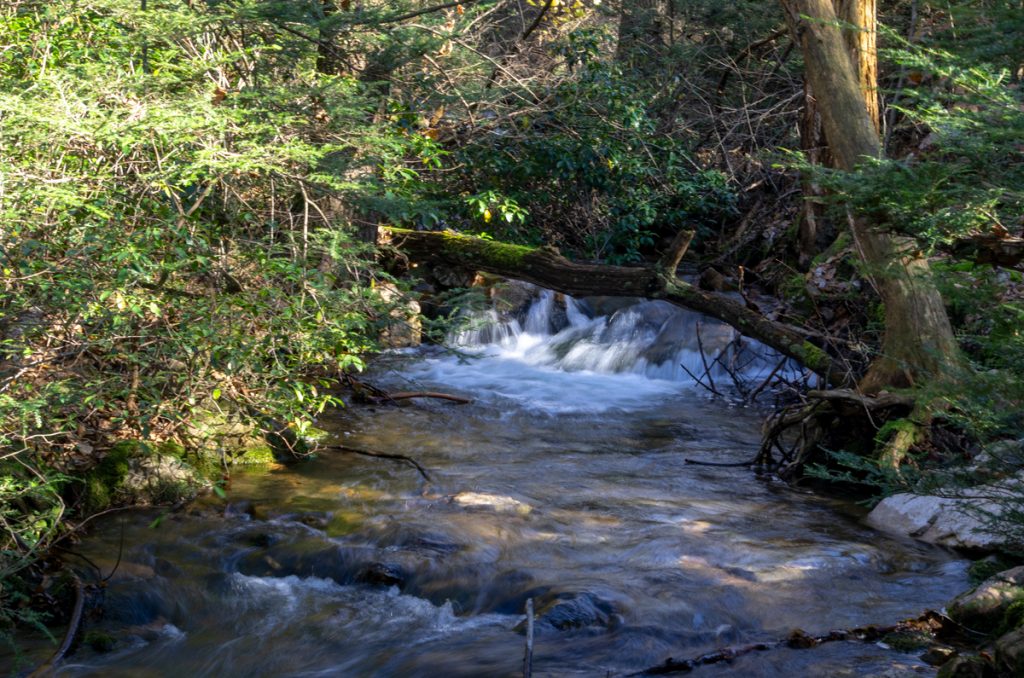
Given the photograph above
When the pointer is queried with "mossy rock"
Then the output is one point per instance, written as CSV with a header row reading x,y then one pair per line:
x,y
987,606
907,641
344,523
134,472
104,482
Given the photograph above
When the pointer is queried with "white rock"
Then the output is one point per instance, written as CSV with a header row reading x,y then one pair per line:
x,y
957,522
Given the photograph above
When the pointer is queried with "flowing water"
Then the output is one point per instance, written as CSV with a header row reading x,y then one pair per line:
x,y
563,481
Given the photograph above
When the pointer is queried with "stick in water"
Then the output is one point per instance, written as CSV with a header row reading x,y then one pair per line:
x,y
528,656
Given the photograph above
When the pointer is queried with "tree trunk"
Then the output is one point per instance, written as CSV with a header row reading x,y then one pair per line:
x,y
859,19
816,230
919,341
546,267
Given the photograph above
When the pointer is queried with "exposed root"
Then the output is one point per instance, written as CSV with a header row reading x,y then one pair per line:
x,y
793,436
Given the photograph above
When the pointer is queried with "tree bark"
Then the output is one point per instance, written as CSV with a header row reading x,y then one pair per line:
x,y
860,19
546,267
919,341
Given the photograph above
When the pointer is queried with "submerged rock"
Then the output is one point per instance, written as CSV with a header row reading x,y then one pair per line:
x,y
574,611
383,574
495,502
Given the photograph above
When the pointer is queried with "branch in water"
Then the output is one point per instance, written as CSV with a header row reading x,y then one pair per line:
x,y
74,624
932,623
380,455
404,395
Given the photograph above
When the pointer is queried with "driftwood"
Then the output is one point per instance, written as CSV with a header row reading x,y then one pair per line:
x,y
380,455
545,266
932,623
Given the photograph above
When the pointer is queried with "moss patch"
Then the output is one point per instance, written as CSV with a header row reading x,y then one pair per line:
x,y
103,482
811,356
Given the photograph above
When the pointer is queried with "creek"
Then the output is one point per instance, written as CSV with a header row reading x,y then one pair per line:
x,y
563,481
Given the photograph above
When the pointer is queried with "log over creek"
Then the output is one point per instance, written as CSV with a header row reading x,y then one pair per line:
x,y
563,482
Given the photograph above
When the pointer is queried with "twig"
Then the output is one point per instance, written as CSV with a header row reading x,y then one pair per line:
x,y
703,359
757,391
698,380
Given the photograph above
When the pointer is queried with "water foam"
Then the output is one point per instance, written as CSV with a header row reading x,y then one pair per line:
x,y
561,354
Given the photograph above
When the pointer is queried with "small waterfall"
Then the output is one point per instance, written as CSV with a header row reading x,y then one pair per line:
x,y
604,335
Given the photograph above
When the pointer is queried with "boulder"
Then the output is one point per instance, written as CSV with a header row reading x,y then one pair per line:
x,y
512,297
159,479
403,327
985,607
956,522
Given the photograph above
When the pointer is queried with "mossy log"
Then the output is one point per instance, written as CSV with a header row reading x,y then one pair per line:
x,y
546,267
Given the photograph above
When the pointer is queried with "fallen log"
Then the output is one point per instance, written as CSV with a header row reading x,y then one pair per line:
x,y
546,267
882,400
995,249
